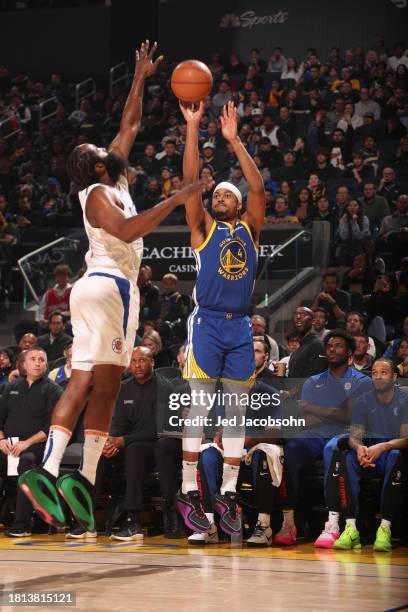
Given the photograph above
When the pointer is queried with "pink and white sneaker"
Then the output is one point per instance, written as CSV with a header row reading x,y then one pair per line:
x,y
328,536
286,536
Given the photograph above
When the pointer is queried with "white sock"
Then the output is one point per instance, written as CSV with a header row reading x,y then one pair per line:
x,y
288,518
189,476
229,478
385,523
93,447
210,516
334,519
57,442
264,519
351,521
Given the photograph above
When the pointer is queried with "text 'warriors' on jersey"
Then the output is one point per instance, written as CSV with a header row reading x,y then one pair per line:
x,y
226,268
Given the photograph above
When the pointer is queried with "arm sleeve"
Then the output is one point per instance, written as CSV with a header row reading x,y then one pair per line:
x,y
343,229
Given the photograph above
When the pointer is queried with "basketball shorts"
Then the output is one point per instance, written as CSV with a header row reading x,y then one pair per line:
x,y
219,346
104,316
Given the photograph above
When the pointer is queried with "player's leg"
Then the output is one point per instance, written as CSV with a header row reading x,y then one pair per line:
x,y
203,366
237,379
233,438
349,486
391,465
189,499
107,327
299,452
210,473
332,457
76,488
266,494
39,484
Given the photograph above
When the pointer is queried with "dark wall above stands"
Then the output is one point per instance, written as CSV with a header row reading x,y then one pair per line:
x,y
188,29
76,42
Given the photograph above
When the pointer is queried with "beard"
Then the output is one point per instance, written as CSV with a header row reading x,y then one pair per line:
x,y
221,215
383,386
115,165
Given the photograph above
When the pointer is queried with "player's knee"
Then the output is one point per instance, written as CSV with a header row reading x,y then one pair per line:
x,y
351,459
329,449
393,455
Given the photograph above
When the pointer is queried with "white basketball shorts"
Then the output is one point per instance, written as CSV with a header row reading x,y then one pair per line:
x,y
105,317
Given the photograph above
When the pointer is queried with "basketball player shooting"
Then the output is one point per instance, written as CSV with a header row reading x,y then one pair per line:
x,y
220,344
104,308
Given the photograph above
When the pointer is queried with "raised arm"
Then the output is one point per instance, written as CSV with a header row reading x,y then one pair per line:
x,y
198,219
255,209
102,211
132,112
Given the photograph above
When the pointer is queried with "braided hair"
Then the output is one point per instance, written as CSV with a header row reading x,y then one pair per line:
x,y
81,167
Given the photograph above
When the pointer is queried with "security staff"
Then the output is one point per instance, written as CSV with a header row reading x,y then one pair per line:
x,y
25,412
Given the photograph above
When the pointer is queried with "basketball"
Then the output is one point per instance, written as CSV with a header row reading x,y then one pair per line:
x,y
191,81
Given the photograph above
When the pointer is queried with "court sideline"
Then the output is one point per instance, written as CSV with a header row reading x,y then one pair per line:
x,y
159,574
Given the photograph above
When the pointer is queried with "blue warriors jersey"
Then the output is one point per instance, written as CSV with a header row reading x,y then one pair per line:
x,y
226,268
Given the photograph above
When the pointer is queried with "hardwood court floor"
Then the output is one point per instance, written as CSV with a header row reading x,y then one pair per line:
x,y
170,575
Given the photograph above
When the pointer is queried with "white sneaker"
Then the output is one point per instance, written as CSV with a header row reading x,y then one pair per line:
x,y
261,537
209,537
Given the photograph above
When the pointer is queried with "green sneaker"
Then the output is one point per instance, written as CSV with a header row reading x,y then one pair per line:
x,y
77,492
383,539
349,539
40,488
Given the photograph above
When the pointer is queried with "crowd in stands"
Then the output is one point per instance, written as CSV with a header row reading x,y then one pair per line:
x,y
330,138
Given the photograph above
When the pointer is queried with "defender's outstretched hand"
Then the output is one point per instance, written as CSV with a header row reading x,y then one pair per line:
x,y
192,113
144,59
229,122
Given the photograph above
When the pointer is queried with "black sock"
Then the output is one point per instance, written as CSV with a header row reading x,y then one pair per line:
x,y
133,515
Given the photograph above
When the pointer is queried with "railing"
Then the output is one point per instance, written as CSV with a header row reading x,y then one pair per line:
x,y
305,235
47,109
10,126
115,78
22,264
84,89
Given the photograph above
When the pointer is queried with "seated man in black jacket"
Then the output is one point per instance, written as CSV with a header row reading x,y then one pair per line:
x,y
25,412
56,340
140,415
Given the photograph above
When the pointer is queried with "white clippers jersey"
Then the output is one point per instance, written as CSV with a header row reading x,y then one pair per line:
x,y
107,252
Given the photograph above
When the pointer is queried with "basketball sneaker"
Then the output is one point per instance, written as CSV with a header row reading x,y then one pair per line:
x,y
191,509
79,533
261,537
328,536
349,539
383,539
201,539
40,488
129,530
230,514
76,490
286,536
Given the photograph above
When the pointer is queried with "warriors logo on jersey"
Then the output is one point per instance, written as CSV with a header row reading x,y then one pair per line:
x,y
233,259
